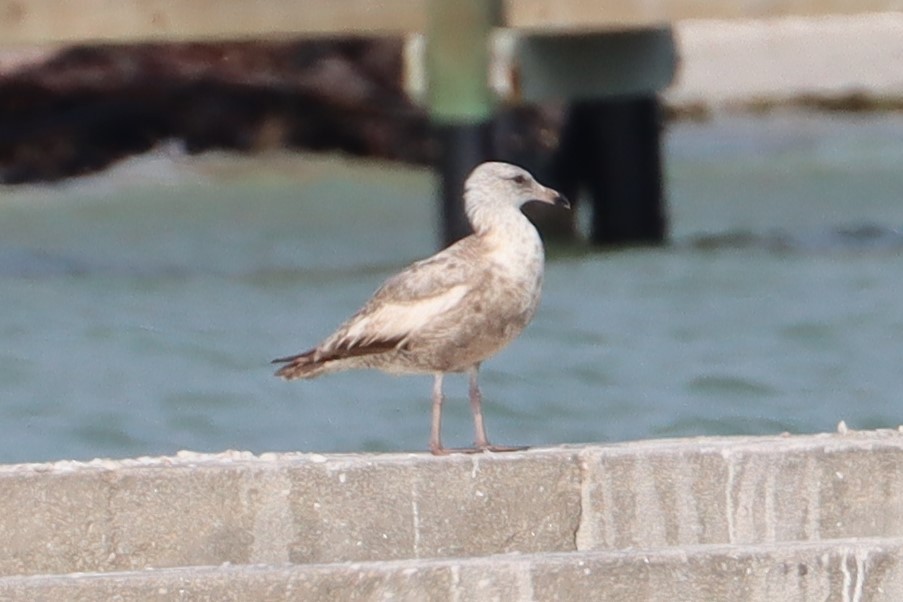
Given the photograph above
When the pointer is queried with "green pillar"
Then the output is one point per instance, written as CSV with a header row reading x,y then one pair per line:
x,y
457,55
459,98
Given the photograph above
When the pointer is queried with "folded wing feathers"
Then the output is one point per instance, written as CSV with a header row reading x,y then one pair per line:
x,y
405,305
393,321
410,300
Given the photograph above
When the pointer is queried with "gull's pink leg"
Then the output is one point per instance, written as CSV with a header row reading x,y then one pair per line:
x,y
436,428
436,447
481,442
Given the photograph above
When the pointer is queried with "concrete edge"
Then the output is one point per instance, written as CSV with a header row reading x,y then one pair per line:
x,y
849,569
842,440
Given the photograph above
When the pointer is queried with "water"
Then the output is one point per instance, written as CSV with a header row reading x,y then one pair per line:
x,y
139,308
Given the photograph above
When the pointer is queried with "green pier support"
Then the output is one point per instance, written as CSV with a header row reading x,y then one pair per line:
x,y
460,101
610,145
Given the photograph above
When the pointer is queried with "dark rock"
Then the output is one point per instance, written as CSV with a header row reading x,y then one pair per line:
x,y
88,106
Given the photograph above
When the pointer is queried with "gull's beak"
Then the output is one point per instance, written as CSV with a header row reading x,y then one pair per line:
x,y
553,197
561,201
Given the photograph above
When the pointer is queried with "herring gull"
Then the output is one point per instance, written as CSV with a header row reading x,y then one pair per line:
x,y
451,311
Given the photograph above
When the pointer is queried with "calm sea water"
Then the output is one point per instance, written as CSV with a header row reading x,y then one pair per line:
x,y
139,308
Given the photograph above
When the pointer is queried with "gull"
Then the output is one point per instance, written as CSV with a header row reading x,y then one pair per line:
x,y
449,312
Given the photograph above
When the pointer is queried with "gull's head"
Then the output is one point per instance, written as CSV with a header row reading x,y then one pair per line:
x,y
505,184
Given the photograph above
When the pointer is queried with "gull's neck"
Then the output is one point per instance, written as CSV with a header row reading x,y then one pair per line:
x,y
488,216
509,236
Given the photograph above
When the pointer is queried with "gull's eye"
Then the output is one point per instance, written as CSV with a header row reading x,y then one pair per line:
x,y
519,180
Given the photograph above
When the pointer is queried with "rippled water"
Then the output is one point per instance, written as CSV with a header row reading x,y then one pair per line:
x,y
139,309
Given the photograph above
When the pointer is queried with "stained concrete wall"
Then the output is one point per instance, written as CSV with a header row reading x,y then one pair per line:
x,y
811,517
848,570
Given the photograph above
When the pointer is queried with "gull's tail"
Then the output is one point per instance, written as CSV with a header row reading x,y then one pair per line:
x,y
330,357
303,365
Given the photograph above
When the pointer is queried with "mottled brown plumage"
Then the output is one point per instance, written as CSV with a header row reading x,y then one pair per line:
x,y
451,311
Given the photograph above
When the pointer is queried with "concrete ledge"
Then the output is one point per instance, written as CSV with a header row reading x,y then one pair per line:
x,y
861,569
195,510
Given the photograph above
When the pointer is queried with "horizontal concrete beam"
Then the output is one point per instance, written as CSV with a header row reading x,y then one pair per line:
x,y
595,15
26,22
304,508
861,569
237,508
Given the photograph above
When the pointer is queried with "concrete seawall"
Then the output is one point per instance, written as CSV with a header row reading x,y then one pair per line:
x,y
811,517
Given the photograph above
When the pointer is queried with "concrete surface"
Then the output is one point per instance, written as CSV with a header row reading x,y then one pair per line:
x,y
759,62
809,517
849,570
53,21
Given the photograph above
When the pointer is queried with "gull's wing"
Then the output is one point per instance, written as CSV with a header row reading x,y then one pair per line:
x,y
407,302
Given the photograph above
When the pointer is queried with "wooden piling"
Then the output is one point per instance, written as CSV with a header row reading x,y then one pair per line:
x,y
610,148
